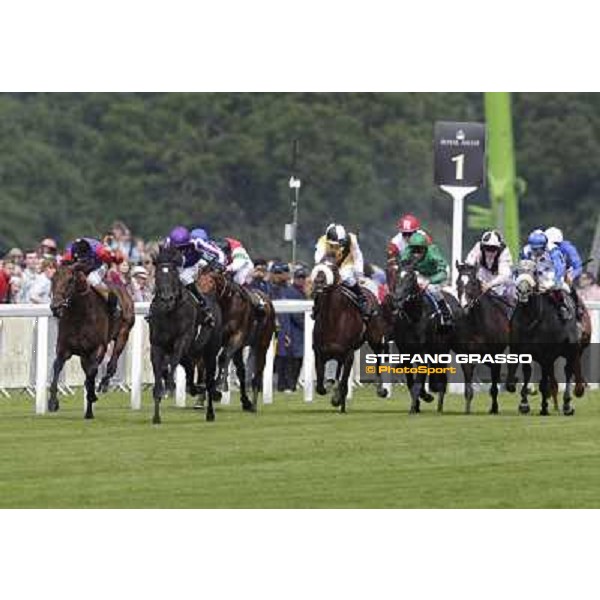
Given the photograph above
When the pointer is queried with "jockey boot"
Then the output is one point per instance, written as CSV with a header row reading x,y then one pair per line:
x,y
256,301
577,303
446,319
207,316
363,305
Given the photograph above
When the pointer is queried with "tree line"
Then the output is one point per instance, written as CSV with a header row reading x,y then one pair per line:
x,y
72,163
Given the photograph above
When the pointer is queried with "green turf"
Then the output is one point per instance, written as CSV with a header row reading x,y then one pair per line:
x,y
299,455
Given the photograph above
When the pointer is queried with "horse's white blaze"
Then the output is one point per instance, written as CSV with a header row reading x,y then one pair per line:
x,y
329,278
165,269
464,279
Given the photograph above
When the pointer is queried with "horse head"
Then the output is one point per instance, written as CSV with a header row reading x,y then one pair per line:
x,y
324,276
407,287
168,288
468,286
68,282
526,280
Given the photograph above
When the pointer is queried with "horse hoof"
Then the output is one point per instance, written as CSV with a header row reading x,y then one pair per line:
x,y
493,411
88,416
511,388
335,402
210,417
383,393
544,413
53,407
524,409
249,407
156,421
321,391
568,411
579,391
426,397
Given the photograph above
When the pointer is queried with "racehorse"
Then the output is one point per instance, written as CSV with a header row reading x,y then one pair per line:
x,y
485,329
176,334
339,330
416,330
85,329
537,329
242,328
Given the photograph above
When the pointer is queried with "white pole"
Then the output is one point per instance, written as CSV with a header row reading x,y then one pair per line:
x,y
180,381
136,362
267,394
309,357
41,366
458,194
226,396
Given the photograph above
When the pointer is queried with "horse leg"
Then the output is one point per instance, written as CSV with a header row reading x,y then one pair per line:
x,y
442,392
210,371
320,371
57,367
259,358
378,349
545,390
342,389
468,371
157,356
511,378
577,370
240,369
495,369
415,393
111,367
568,410
554,391
524,407
90,364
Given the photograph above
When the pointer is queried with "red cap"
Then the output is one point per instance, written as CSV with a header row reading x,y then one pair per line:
x,y
408,224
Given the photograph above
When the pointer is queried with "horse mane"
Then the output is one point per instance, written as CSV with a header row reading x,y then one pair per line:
x,y
168,254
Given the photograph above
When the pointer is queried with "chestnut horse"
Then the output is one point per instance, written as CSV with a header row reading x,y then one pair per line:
x,y
85,329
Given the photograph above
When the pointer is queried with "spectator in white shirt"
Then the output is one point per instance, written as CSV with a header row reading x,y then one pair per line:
x,y
41,287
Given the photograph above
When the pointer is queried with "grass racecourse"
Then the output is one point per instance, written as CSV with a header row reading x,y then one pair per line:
x,y
297,455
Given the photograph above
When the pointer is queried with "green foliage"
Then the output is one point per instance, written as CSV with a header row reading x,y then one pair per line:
x,y
72,163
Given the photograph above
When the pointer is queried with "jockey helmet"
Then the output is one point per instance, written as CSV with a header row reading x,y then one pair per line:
x,y
408,224
199,234
418,240
537,240
491,240
554,235
180,236
336,234
81,249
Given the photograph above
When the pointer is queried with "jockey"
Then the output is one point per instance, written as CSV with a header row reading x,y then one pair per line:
x,y
407,225
432,267
193,255
494,261
573,263
344,248
94,259
547,258
210,253
239,264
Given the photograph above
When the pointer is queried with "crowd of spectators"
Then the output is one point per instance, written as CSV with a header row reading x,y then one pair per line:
x,y
25,276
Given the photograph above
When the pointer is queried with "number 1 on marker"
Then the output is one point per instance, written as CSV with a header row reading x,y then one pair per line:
x,y
460,166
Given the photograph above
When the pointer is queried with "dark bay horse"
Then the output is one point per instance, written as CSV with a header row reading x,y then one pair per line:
x,y
242,328
86,329
339,330
537,329
416,330
177,336
485,329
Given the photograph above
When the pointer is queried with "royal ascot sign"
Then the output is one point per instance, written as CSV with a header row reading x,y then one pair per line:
x,y
459,151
